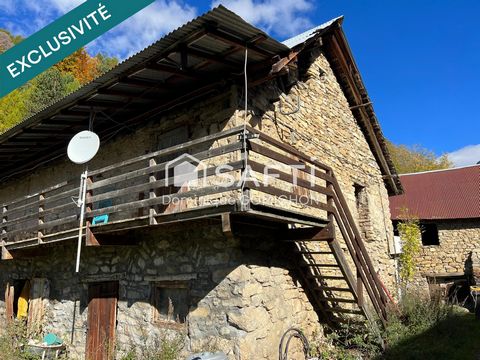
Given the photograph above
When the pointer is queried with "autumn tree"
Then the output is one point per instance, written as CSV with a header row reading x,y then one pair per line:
x,y
411,159
48,87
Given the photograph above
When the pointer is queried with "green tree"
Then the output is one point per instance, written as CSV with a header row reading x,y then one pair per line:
x,y
48,87
13,108
411,159
105,63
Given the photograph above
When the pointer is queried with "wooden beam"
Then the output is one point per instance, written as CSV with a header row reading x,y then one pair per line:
x,y
174,71
227,225
6,255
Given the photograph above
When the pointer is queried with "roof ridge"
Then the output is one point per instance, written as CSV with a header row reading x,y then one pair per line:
x,y
439,170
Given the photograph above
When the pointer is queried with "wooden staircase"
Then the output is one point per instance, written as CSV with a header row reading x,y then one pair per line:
x,y
324,270
336,270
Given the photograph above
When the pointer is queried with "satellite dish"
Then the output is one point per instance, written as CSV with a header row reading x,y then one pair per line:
x,y
83,147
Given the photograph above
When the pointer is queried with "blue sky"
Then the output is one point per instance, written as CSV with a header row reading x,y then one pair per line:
x,y
419,59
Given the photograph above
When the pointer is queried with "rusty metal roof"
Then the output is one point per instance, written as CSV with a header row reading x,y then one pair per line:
x,y
441,194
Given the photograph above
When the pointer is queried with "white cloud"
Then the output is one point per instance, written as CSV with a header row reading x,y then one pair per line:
x,y
284,17
127,38
145,27
468,155
7,6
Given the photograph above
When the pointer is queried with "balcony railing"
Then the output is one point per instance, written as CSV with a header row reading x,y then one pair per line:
x,y
239,170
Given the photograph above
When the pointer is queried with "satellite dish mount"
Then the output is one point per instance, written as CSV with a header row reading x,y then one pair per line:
x,y
81,149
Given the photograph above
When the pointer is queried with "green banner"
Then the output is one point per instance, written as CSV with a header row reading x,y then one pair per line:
x,y
61,38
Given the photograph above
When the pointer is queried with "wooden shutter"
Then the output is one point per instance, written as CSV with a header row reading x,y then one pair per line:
x,y
9,298
39,293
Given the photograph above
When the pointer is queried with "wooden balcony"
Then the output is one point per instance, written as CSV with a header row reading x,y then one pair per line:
x,y
236,173
140,192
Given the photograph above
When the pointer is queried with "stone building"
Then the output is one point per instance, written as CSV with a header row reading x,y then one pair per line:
x,y
447,204
230,262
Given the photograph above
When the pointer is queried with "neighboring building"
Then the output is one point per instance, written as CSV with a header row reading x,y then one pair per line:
x,y
447,203
231,265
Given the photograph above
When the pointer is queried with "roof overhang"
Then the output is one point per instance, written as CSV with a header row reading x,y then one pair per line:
x,y
194,61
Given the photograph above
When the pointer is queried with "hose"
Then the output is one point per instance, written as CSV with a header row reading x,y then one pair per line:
x,y
285,343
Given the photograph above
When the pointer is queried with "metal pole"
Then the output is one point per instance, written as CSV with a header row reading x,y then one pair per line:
x,y
83,190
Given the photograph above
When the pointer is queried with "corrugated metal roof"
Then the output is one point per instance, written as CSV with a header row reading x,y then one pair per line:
x,y
219,15
307,35
116,96
442,194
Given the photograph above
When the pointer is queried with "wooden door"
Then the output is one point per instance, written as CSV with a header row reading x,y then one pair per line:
x,y
9,301
102,319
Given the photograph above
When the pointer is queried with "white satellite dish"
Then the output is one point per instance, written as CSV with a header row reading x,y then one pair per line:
x,y
83,147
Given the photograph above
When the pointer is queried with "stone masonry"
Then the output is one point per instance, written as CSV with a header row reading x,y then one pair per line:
x,y
457,252
241,298
243,295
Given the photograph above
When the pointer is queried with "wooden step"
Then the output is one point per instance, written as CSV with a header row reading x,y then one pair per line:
x,y
321,265
340,300
314,252
344,311
307,240
328,288
331,277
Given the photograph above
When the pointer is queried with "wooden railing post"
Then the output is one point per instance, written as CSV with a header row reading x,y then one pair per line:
x,y
41,217
152,194
5,254
330,202
360,289
4,220
91,240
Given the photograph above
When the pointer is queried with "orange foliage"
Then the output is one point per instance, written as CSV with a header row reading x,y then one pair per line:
x,y
81,65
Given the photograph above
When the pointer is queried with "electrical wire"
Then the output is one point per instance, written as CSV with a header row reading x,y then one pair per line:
x,y
245,155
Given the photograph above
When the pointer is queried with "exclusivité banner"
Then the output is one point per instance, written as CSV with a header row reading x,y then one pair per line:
x,y
61,38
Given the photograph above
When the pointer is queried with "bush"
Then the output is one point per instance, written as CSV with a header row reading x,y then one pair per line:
x,y
415,315
13,341
167,348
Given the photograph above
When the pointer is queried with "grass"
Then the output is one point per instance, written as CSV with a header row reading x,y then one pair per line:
x,y
455,337
418,329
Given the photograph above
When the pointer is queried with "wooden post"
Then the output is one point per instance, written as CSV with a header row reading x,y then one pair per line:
x,y
6,255
90,238
152,194
41,217
360,289
330,203
4,220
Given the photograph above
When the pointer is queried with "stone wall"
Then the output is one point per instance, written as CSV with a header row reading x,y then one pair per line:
x,y
459,246
325,128
242,295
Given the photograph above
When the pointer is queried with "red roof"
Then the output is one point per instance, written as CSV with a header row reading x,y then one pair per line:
x,y
441,194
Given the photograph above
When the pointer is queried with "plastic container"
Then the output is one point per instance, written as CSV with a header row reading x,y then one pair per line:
x,y
208,356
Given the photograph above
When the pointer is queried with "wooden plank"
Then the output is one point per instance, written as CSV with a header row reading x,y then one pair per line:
x,y
207,154
260,168
289,196
161,183
287,148
165,199
9,301
226,225
6,255
307,233
170,150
